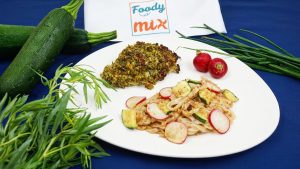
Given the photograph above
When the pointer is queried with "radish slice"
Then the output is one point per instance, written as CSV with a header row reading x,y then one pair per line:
x,y
212,87
219,121
176,132
134,101
166,92
154,111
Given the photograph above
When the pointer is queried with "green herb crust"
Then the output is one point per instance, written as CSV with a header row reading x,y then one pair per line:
x,y
141,64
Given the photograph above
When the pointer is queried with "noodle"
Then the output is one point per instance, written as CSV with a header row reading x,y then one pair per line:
x,y
182,109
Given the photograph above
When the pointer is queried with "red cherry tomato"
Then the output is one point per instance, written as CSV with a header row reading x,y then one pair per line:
x,y
201,62
217,68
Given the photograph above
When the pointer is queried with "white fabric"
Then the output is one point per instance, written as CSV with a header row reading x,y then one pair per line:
x,y
129,17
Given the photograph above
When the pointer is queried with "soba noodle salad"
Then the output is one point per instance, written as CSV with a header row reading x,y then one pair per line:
x,y
186,109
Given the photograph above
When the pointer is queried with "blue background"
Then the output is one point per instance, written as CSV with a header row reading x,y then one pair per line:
x,y
276,19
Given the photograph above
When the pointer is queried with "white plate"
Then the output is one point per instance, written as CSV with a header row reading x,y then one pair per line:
x,y
257,111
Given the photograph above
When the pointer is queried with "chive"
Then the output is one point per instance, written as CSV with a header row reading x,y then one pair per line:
x,y
255,66
226,42
249,41
285,70
269,41
274,53
223,36
210,42
267,49
264,62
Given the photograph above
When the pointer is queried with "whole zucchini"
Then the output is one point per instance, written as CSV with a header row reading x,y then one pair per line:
x,y
40,49
13,37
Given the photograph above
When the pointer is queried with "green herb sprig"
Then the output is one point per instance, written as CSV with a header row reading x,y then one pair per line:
x,y
45,133
78,74
271,59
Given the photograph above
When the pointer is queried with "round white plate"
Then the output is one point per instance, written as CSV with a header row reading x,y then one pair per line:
x,y
257,111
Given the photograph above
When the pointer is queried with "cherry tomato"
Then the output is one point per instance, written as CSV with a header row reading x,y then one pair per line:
x,y
201,62
217,68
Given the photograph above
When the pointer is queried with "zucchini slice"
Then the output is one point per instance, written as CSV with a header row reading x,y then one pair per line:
x,y
163,105
193,81
181,89
230,95
206,96
129,118
201,117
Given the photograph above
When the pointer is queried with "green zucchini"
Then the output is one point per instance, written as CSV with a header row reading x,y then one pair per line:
x,y
129,118
13,38
201,117
193,81
40,49
206,96
230,95
181,89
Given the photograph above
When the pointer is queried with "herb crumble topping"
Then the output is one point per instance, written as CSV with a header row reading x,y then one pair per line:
x,y
141,64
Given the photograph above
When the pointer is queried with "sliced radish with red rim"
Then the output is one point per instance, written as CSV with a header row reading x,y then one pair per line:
x,y
154,111
176,132
166,92
134,101
219,121
212,87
